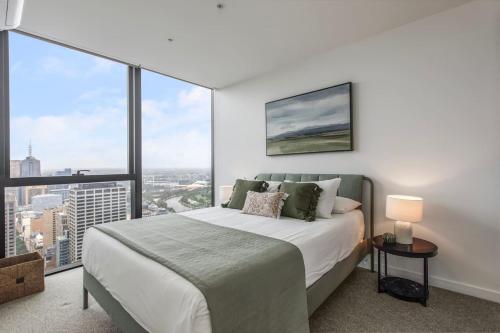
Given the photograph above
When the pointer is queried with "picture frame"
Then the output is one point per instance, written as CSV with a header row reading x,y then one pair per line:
x,y
317,121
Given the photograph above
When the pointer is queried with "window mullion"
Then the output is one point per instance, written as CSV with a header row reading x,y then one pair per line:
x,y
4,128
137,114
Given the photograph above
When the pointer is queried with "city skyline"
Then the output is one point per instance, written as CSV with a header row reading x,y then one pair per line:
x,y
52,219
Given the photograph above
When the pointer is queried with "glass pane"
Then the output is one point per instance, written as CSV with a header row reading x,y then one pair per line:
x,y
68,110
176,145
51,219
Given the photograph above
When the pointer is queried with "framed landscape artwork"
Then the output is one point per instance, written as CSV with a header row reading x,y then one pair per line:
x,y
317,121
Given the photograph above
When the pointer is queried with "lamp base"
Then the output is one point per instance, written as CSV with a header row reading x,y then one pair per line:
x,y
403,232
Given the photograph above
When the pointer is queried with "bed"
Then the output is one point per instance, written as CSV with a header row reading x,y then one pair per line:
x,y
156,299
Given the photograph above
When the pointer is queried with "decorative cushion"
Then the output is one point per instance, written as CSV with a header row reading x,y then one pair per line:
x,y
264,204
302,201
326,199
240,189
344,205
273,186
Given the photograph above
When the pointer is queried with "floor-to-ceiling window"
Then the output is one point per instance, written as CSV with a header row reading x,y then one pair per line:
x,y
68,110
176,145
80,146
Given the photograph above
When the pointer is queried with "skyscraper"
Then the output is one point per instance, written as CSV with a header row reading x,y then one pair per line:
x,y
45,224
30,166
61,189
62,251
64,172
28,192
10,226
15,168
91,204
62,222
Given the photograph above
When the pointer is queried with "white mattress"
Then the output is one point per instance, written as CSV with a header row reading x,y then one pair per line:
x,y
162,301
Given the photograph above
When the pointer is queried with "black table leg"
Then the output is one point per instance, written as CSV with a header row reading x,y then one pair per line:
x,y
378,271
85,299
426,283
385,263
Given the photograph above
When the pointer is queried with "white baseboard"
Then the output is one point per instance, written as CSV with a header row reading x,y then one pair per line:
x,y
436,281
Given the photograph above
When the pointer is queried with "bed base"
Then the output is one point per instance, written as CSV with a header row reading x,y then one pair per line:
x,y
316,294
113,308
319,291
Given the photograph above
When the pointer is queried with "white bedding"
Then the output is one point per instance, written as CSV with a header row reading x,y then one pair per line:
x,y
162,301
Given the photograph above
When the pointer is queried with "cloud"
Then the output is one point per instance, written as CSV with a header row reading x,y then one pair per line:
x,y
16,67
57,66
176,134
95,138
320,108
189,149
85,66
190,109
95,94
102,66
195,97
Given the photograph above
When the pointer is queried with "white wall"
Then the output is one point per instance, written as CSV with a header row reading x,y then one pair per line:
x,y
427,123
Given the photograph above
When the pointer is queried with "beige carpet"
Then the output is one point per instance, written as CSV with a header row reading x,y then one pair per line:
x,y
354,307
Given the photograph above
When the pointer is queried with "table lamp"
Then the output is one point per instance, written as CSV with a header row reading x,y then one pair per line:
x,y
225,192
405,210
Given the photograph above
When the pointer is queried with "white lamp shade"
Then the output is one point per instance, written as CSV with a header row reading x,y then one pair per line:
x,y
225,192
404,208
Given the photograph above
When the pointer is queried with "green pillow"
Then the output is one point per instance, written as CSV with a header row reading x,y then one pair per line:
x,y
302,200
240,190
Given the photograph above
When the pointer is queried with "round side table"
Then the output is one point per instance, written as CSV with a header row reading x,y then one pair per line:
x,y
398,287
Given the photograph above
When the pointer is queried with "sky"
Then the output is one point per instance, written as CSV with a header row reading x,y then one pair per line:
x,y
73,108
323,107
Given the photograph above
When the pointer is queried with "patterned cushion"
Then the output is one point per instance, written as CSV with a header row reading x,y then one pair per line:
x,y
264,204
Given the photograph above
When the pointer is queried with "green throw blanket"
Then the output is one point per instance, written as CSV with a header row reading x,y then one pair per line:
x,y
251,283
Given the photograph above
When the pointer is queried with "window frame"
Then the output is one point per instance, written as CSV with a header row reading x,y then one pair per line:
x,y
134,140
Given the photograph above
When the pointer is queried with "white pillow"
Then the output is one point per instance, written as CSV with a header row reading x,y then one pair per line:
x,y
344,205
273,186
327,196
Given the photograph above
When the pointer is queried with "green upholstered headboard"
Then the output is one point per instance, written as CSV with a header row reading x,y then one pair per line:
x,y
351,186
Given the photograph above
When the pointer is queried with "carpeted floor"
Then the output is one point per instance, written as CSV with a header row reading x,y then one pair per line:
x,y
354,307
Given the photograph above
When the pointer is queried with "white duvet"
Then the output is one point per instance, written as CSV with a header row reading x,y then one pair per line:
x,y
162,301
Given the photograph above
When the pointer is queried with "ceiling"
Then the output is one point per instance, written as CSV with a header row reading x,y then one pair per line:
x,y
218,47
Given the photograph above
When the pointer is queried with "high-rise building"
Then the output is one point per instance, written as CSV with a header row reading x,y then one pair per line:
x,y
28,192
45,201
63,192
27,218
64,172
62,251
91,204
15,168
30,166
50,257
62,222
10,226
61,189
46,225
